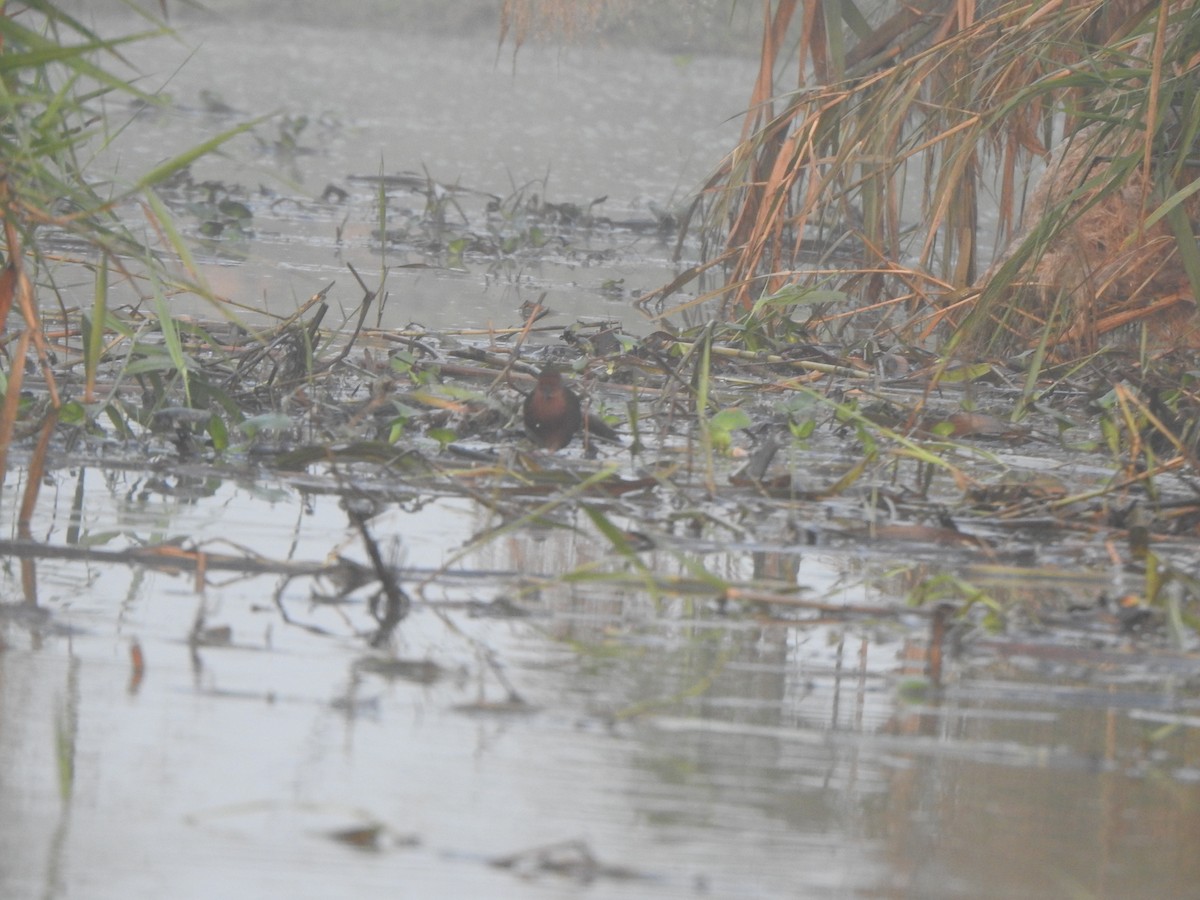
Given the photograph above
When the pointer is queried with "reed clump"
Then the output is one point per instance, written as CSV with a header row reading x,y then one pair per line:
x,y
868,173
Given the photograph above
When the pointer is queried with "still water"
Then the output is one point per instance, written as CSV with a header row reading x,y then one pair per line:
x,y
169,734
635,129
688,750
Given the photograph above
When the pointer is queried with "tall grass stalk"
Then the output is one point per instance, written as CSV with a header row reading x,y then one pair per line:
x,y
892,132
884,127
54,71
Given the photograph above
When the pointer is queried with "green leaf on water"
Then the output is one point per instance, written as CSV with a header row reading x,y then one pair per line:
x,y
730,419
218,433
965,374
444,436
802,430
722,425
72,413
454,253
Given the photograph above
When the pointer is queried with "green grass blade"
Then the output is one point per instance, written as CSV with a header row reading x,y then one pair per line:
x,y
165,170
95,336
171,338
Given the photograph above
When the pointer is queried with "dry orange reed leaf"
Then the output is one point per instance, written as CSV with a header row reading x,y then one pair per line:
x,y
1113,265
1106,270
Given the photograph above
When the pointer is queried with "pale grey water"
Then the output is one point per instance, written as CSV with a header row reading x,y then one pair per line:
x,y
569,123
713,755
716,755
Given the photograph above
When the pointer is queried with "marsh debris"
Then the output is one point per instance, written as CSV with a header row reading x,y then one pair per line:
x,y
571,859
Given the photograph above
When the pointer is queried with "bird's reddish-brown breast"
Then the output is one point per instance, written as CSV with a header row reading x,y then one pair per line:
x,y
552,412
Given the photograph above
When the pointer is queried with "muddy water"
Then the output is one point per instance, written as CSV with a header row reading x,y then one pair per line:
x,y
688,750
666,746
575,124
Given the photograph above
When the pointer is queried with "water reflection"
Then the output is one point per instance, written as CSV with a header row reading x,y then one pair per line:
x,y
698,748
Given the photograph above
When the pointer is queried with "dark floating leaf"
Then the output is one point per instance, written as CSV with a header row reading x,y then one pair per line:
x,y
372,838
569,859
509,707
420,671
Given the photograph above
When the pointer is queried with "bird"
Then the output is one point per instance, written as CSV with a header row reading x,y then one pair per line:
x,y
552,411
